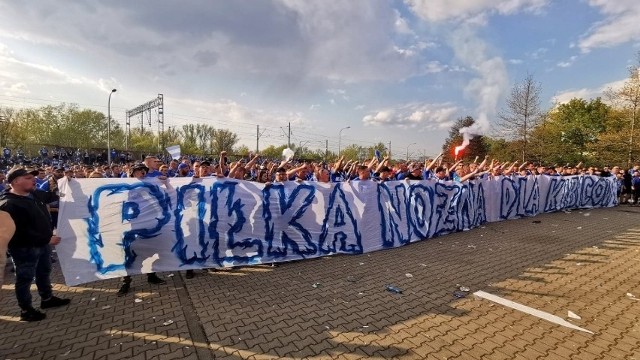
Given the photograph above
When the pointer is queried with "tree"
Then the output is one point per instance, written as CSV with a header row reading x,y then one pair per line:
x,y
242,150
477,146
522,113
204,134
223,140
6,116
142,140
171,136
627,98
501,149
381,147
272,152
352,152
573,129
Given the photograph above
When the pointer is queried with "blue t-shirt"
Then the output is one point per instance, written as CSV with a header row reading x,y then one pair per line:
x,y
154,173
45,186
337,176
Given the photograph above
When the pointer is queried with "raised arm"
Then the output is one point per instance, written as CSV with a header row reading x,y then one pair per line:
x,y
222,166
338,163
384,162
469,175
483,163
234,167
432,164
252,162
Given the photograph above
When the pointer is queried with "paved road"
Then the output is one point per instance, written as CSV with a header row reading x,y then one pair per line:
x,y
586,262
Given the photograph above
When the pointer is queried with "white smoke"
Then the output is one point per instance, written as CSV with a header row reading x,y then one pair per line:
x,y
468,133
488,88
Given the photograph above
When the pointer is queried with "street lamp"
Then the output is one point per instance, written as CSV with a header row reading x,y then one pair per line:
x,y
109,128
340,138
408,150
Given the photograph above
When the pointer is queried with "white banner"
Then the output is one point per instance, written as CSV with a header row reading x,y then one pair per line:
x,y
174,151
116,227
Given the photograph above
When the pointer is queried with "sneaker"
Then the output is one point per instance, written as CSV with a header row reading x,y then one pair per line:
x,y
32,315
190,274
155,280
54,302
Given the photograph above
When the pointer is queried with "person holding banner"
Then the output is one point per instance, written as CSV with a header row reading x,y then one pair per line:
x,y
139,171
30,246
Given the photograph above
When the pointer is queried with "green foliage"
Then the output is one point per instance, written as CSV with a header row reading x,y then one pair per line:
x,y
242,150
66,125
223,140
353,152
273,152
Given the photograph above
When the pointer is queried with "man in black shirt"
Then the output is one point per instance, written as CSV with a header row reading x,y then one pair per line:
x,y
30,246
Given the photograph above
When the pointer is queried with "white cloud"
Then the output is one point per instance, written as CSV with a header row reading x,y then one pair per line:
x,y
565,96
441,10
434,67
342,93
289,42
568,63
413,116
13,69
401,25
231,114
619,26
515,61
539,53
15,89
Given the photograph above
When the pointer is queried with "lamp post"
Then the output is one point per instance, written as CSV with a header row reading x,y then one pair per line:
x,y
408,150
109,128
340,139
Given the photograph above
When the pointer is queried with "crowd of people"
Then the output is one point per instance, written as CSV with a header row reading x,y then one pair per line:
x,y
30,195
62,156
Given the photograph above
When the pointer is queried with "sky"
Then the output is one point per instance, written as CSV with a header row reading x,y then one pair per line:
x,y
398,72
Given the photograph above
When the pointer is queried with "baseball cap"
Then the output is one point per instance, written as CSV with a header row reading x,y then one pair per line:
x,y
20,172
183,166
138,167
